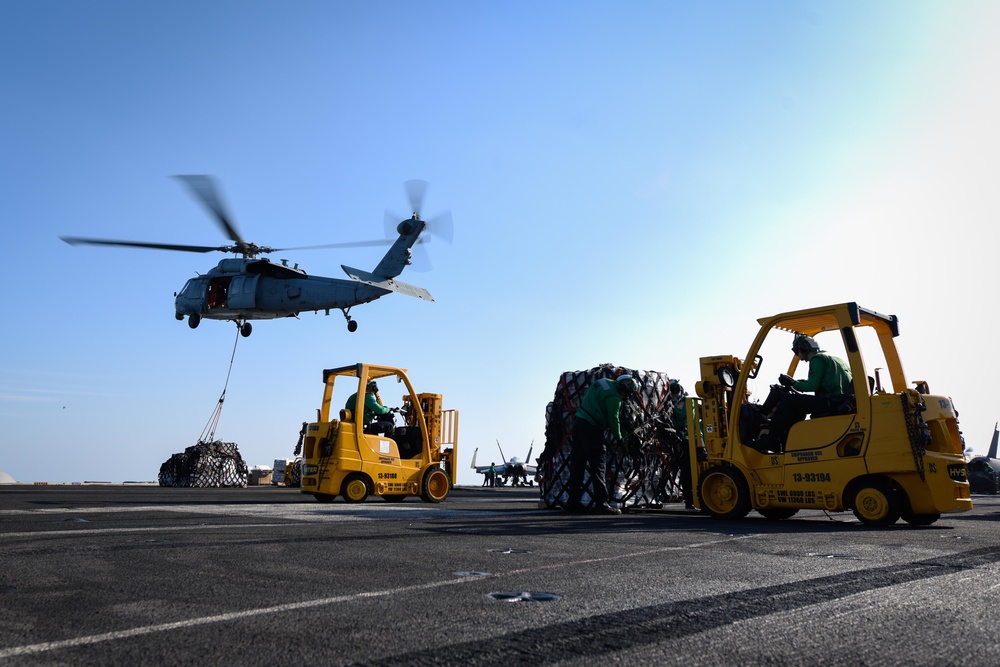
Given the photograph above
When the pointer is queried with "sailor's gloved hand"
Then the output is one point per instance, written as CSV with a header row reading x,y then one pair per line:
x,y
786,380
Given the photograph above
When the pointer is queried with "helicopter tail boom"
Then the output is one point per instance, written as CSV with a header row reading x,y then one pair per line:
x,y
387,283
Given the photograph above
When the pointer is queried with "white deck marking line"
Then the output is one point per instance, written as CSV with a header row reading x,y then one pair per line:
x,y
158,529
44,647
297,511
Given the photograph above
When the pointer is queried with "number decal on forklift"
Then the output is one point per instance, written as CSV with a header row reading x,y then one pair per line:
x,y
388,475
811,477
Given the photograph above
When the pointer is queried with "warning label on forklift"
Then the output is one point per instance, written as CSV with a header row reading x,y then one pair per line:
x,y
798,497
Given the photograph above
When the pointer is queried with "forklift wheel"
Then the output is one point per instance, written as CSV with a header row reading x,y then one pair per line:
x,y
355,488
877,504
724,493
436,485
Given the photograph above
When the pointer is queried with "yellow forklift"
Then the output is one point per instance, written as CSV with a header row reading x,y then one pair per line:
x,y
884,450
355,452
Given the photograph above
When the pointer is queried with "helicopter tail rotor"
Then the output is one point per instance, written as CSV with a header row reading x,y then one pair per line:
x,y
440,226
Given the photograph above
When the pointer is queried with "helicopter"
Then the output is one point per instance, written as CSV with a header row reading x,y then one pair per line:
x,y
250,287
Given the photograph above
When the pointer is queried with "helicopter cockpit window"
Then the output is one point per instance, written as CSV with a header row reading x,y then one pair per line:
x,y
193,289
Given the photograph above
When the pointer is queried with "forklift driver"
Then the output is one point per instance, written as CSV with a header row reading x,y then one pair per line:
x,y
378,417
829,379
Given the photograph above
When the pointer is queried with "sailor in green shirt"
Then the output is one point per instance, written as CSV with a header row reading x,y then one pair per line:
x,y
374,409
679,422
830,381
598,412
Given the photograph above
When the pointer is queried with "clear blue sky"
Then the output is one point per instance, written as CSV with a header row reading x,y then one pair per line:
x,y
631,182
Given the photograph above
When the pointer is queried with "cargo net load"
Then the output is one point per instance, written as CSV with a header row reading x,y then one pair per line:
x,y
206,464
644,471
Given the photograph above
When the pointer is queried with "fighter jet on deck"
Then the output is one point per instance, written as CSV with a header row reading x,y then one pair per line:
x,y
984,471
515,471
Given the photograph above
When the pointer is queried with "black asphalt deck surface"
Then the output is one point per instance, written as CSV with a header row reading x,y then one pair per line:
x,y
103,575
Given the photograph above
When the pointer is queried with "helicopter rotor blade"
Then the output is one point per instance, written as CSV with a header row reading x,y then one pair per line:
x,y
392,221
442,226
76,240
416,190
438,227
204,190
420,259
350,244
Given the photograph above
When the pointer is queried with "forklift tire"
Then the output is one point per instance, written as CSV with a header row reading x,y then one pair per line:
x,y
877,504
355,488
436,486
777,513
724,493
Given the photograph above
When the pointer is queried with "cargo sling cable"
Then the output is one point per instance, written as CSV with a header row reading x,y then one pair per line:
x,y
213,421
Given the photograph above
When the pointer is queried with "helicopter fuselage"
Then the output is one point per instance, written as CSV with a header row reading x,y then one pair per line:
x,y
257,289
250,288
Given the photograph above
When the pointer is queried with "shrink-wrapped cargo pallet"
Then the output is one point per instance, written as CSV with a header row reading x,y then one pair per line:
x,y
206,464
643,471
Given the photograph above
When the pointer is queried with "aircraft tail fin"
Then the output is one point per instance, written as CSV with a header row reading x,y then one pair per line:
x,y
394,261
993,444
386,282
527,459
474,458
398,256
502,457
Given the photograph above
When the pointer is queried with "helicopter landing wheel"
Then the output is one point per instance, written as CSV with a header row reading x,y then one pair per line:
x,y
179,316
351,324
246,329
194,319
